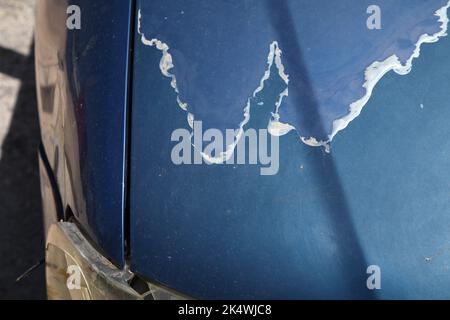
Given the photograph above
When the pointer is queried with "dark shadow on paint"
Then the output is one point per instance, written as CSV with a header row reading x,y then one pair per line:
x,y
301,91
21,225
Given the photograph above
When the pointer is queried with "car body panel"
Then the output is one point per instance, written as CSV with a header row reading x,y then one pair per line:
x,y
380,198
317,228
82,84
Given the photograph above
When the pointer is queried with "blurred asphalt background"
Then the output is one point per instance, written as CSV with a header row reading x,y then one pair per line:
x,y
21,236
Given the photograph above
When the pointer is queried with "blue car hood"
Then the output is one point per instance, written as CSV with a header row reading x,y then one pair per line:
x,y
356,117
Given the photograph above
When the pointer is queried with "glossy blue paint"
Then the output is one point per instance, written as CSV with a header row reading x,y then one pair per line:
x,y
83,95
226,61
380,198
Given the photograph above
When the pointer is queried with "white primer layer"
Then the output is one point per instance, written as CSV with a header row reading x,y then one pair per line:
x,y
372,74
275,127
274,56
166,63
377,70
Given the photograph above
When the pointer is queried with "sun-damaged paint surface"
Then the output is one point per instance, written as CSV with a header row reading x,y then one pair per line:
x,y
381,197
82,85
326,84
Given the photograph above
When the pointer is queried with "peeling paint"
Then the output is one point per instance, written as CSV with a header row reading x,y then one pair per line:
x,y
276,127
377,70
